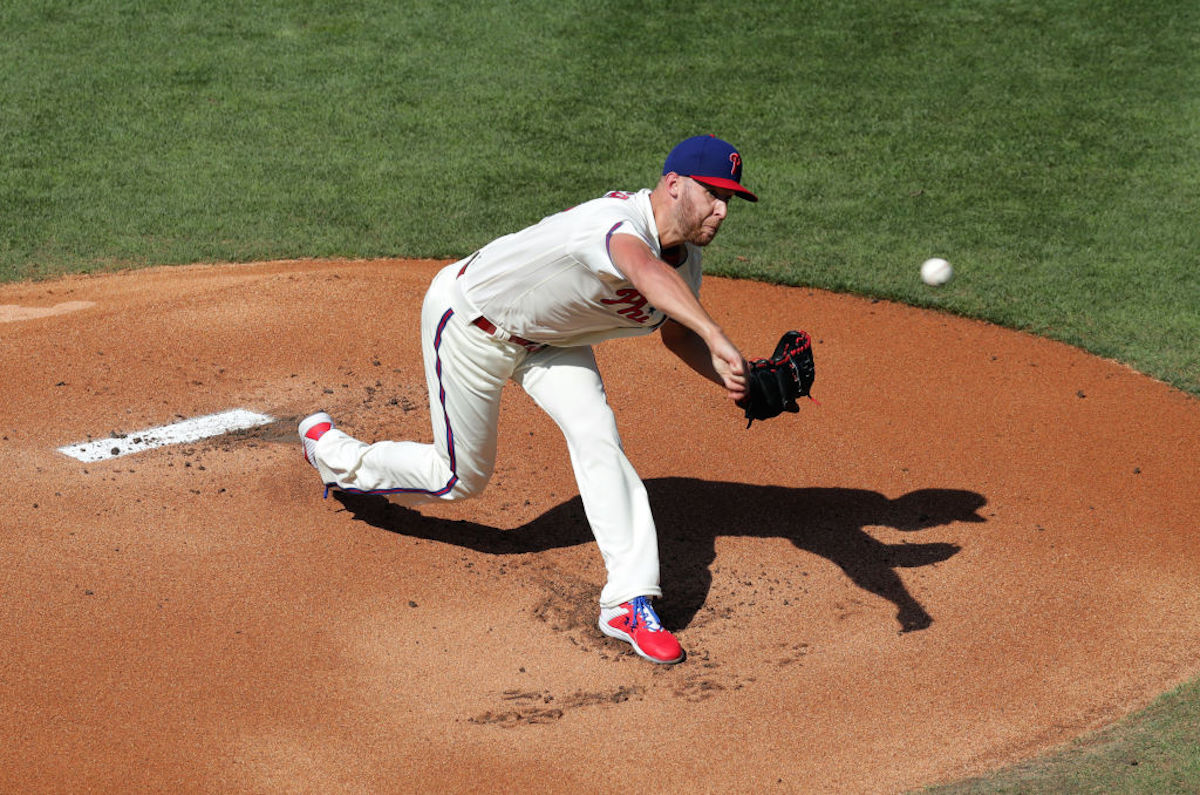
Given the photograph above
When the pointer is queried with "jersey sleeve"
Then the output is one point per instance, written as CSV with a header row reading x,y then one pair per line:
x,y
593,247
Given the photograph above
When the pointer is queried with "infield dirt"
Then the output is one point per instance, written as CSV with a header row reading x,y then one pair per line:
x,y
979,545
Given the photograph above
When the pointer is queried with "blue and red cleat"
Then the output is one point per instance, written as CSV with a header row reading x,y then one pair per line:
x,y
636,623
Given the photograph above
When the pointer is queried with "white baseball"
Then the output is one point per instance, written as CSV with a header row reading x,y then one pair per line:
x,y
936,271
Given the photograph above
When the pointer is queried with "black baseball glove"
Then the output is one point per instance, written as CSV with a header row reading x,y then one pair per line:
x,y
773,385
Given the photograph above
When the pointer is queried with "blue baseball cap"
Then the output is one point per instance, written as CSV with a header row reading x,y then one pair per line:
x,y
710,161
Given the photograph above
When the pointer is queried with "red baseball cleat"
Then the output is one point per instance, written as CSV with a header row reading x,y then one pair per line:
x,y
311,429
636,623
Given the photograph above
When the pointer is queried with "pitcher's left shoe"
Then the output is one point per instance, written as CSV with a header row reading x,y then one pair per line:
x,y
636,623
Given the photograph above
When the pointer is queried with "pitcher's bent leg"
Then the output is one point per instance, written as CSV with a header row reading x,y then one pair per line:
x,y
465,371
414,472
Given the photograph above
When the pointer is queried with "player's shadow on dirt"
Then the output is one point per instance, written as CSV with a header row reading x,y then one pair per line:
x,y
691,514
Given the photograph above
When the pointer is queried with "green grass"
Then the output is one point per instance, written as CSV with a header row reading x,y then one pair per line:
x,y
1152,753
1050,150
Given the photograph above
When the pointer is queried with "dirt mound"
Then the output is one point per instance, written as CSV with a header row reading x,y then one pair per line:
x,y
978,545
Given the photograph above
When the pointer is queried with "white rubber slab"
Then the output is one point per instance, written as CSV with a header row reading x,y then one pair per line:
x,y
182,432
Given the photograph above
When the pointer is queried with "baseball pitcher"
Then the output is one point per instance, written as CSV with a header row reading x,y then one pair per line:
x,y
528,307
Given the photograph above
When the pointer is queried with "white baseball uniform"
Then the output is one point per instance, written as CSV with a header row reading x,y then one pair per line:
x,y
528,307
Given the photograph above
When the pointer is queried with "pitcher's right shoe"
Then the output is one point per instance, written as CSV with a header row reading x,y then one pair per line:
x,y
312,428
636,623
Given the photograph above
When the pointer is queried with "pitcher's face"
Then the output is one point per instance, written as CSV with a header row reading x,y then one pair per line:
x,y
702,208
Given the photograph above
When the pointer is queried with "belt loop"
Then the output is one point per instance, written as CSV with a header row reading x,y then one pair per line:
x,y
498,332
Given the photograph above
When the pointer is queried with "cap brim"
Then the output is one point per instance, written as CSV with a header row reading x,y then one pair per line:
x,y
727,184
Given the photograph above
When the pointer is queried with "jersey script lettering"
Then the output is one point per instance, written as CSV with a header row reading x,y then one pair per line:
x,y
636,304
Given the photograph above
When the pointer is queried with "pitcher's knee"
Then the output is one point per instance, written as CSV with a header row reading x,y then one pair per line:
x,y
467,486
